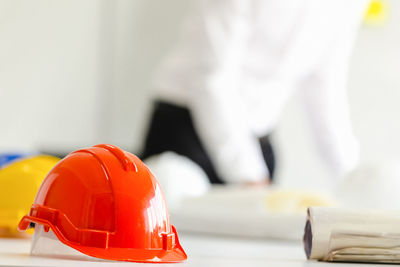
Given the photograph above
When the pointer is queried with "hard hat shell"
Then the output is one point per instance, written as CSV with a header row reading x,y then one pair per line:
x,y
179,178
105,203
19,182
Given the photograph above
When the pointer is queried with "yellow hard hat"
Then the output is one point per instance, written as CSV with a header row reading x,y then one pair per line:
x,y
19,182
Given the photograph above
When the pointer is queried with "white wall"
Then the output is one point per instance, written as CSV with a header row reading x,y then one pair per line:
x,y
75,73
50,60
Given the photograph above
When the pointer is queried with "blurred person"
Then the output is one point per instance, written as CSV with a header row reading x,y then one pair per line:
x,y
220,91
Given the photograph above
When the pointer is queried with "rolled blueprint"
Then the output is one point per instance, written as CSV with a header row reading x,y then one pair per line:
x,y
333,234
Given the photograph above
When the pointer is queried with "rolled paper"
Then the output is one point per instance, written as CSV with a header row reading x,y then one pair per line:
x,y
334,234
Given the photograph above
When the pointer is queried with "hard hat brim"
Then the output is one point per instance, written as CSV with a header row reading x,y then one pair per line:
x,y
174,255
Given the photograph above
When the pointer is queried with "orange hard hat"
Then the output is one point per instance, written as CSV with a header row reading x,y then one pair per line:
x,y
105,203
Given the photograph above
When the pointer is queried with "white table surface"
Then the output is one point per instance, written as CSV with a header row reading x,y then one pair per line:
x,y
201,250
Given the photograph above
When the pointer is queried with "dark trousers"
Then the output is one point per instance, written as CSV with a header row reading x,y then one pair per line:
x,y
171,129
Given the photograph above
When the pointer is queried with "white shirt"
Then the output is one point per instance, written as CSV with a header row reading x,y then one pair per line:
x,y
237,63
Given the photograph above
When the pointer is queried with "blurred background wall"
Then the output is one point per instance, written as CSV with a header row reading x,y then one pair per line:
x,y
75,73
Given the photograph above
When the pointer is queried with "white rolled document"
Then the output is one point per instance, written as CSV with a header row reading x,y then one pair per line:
x,y
333,234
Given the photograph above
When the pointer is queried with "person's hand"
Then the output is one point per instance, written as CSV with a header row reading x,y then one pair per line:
x,y
263,183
